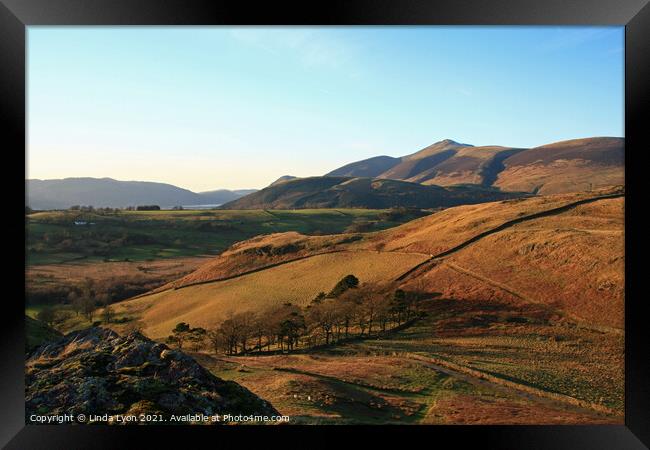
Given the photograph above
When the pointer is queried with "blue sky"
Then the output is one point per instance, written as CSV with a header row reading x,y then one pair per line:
x,y
237,107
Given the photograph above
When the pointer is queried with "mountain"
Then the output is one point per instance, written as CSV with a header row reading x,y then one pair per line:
x,y
107,192
567,166
371,167
282,179
359,192
97,371
221,196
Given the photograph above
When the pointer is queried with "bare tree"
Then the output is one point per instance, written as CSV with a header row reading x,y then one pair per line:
x,y
46,315
107,314
88,308
324,316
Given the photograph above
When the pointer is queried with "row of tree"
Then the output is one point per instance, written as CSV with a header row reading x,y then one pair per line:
x,y
108,210
349,310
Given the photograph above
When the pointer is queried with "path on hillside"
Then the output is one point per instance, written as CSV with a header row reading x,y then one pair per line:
x,y
508,289
505,225
510,387
268,266
502,286
431,259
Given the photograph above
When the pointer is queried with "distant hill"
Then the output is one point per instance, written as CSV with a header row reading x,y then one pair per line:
x,y
568,166
371,167
359,192
107,192
220,196
282,179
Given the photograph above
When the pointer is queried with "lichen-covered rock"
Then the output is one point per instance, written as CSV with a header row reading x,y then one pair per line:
x,y
96,372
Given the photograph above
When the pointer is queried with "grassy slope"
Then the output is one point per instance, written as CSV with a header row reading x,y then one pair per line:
x,y
428,235
37,332
510,309
176,233
333,192
571,263
567,166
297,282
376,381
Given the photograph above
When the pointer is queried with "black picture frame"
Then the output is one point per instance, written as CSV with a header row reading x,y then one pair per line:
x,y
16,15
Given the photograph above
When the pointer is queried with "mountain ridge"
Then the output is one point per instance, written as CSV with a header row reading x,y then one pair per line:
x,y
362,192
587,163
109,192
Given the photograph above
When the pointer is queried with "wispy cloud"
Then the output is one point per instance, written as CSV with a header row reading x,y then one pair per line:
x,y
312,48
573,37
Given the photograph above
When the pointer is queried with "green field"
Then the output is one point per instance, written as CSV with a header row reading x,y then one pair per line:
x,y
54,238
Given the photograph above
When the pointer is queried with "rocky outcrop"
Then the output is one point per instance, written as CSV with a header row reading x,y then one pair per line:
x,y
96,371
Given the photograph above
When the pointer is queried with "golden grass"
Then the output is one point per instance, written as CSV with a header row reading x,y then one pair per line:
x,y
573,261
207,305
559,176
241,257
468,409
78,271
448,228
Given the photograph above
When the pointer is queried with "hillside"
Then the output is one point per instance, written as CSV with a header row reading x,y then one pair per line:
x,y
346,192
220,196
282,179
567,166
568,257
371,167
95,371
107,192
522,319
37,332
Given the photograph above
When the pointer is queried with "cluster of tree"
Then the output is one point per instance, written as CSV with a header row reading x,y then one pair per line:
x,y
147,208
360,226
183,333
82,302
400,213
92,209
95,241
361,311
87,297
281,326
82,208
349,310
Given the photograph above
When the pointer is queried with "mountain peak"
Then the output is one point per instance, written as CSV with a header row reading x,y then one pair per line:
x,y
450,142
282,179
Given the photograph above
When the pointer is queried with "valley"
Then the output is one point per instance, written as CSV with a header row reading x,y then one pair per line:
x,y
488,307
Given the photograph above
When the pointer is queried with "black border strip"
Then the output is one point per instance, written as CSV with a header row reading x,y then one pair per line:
x,y
16,14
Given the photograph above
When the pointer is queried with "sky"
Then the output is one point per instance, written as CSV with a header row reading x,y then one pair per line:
x,y
237,107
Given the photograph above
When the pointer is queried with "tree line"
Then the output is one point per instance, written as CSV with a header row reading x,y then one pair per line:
x,y
348,311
